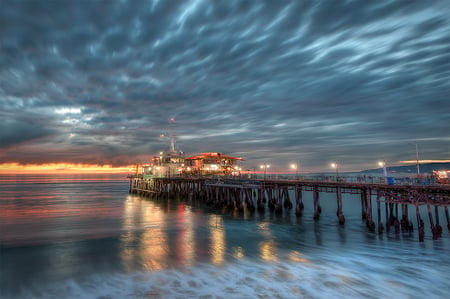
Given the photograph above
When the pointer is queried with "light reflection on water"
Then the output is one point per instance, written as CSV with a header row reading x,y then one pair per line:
x,y
89,237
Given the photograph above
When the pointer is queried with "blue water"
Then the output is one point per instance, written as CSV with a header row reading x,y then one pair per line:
x,y
84,236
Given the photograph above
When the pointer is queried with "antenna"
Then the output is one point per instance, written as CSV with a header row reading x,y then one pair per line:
x,y
172,137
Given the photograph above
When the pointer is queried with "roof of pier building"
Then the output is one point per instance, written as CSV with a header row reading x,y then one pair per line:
x,y
213,155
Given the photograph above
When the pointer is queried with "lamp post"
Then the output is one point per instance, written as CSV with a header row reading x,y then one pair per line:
x,y
335,165
264,166
383,164
417,159
295,167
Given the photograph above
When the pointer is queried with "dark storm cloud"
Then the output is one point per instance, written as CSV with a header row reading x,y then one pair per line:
x,y
314,81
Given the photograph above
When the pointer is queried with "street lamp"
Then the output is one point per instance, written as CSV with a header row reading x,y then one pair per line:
x,y
335,165
295,167
383,164
417,158
264,166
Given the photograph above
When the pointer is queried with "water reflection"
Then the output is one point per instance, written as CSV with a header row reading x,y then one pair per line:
x,y
144,240
267,248
217,237
238,252
185,237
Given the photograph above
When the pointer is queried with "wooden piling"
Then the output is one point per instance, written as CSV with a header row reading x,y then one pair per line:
x,y
420,225
369,219
437,226
339,213
448,218
433,228
299,206
363,204
317,208
380,224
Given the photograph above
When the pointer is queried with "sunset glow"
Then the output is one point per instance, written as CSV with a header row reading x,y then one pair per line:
x,y
9,168
425,161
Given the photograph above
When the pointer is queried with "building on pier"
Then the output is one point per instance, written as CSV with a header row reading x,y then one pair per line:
x,y
170,164
212,164
167,164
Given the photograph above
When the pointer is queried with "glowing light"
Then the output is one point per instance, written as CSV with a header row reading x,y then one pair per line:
x,y
217,237
425,161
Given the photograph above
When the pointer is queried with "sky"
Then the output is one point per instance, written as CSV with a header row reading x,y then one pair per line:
x,y
274,82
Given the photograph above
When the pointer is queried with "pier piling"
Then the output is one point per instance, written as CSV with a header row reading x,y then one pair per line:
x,y
250,195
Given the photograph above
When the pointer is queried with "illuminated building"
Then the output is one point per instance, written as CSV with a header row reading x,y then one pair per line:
x,y
212,164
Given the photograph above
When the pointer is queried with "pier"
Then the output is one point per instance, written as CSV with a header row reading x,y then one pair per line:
x,y
278,195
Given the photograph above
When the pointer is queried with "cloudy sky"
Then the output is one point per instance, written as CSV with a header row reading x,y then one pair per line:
x,y
311,82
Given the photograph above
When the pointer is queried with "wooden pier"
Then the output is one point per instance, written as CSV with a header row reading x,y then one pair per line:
x,y
279,195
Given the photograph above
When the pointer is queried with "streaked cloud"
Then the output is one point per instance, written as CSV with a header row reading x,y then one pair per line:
x,y
315,81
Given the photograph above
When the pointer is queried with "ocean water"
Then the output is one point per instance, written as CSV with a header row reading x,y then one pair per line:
x,y
84,236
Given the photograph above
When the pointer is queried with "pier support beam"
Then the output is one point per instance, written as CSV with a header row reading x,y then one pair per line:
x,y
433,227
369,219
317,208
299,206
339,213
420,225
438,226
287,204
448,218
260,201
380,224
363,204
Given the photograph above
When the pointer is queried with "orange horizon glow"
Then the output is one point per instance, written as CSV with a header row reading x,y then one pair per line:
x,y
17,168
425,161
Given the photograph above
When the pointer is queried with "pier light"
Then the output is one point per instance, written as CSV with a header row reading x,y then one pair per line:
x,y
294,166
383,164
335,165
264,166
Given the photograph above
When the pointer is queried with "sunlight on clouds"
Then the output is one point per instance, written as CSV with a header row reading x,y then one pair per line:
x,y
67,110
61,168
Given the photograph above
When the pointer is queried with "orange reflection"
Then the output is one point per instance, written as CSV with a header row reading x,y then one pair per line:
x,y
17,168
185,245
238,252
152,249
217,239
268,249
296,256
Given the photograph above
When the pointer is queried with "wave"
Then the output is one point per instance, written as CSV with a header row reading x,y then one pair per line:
x,y
246,279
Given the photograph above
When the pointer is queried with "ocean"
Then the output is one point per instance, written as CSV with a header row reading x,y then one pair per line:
x,y
84,236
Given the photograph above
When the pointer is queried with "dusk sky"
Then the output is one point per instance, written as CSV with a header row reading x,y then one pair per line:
x,y
310,82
